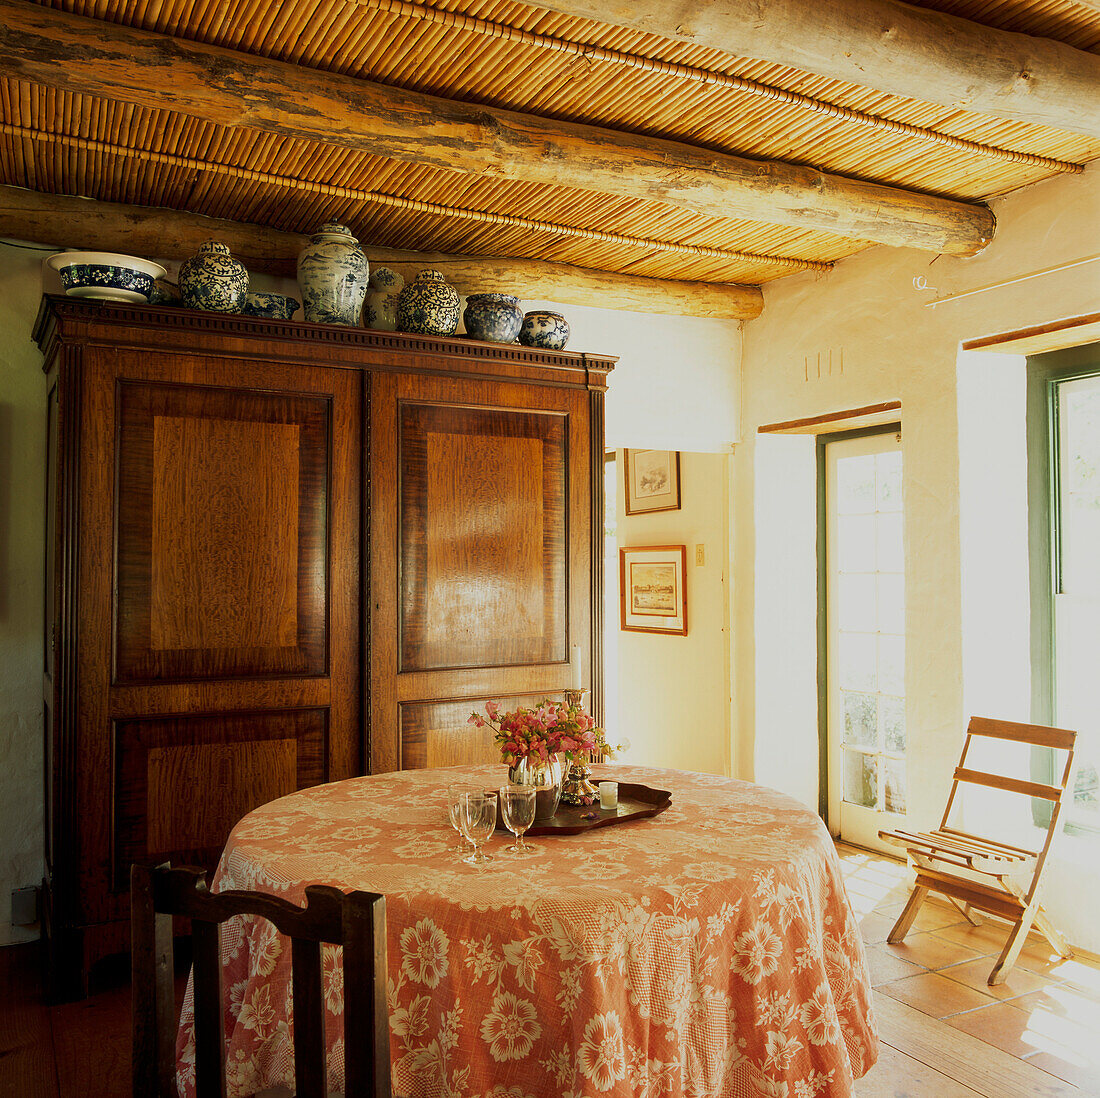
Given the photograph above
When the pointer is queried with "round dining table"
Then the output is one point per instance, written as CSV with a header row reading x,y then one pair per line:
x,y
709,950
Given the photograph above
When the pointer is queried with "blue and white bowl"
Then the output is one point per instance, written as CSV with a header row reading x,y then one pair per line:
x,y
545,330
271,306
494,318
106,276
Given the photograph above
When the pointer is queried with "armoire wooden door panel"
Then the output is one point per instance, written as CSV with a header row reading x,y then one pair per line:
x,y
482,537
438,733
180,784
481,522
226,494
222,518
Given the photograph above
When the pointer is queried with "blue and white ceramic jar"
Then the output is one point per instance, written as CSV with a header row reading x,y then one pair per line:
x,y
545,330
495,318
332,274
213,280
381,309
429,306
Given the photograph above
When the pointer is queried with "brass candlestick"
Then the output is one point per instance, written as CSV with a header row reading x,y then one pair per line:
x,y
577,787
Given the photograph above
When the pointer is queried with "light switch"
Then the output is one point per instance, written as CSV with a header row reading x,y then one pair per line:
x,y
700,555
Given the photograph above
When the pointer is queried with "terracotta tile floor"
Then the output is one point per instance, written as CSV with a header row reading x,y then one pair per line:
x,y
943,1030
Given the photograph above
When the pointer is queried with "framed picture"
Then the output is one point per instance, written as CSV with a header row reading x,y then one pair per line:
x,y
652,481
652,595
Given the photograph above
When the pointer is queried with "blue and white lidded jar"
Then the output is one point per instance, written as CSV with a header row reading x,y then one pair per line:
x,y
213,280
333,273
429,306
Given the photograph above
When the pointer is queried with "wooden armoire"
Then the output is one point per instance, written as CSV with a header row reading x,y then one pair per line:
x,y
280,554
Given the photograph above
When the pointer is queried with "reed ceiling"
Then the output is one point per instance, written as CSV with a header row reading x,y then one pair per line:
x,y
67,143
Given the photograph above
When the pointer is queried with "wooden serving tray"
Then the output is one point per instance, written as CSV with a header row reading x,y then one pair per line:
x,y
636,802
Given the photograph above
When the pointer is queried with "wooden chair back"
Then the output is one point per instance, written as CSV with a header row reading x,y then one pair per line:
x,y
1058,739
355,921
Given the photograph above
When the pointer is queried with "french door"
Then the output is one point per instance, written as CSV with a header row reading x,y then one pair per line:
x,y
865,636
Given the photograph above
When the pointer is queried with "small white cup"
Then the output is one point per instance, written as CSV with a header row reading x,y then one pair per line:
x,y
609,794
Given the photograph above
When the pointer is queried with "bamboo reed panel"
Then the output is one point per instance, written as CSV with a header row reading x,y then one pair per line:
x,y
456,64
589,54
340,36
329,190
97,58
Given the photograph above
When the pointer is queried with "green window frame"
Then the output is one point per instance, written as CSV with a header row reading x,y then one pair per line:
x,y
1045,374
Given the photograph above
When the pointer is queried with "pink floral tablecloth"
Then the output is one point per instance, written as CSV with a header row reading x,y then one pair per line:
x,y
708,951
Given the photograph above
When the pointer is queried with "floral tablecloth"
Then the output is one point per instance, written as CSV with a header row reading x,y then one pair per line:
x,y
708,951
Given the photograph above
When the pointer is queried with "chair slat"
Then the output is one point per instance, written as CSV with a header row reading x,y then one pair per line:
x,y
1022,850
365,1009
973,848
153,998
971,892
309,1028
209,1044
1011,785
1039,735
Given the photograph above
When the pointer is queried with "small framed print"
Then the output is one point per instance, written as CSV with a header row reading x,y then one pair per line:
x,y
652,481
652,595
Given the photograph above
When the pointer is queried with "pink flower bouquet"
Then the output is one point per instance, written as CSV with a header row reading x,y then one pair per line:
x,y
550,728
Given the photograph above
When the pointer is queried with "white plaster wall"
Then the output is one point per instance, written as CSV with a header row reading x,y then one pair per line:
x,y
784,526
22,521
676,384
676,387
884,344
673,692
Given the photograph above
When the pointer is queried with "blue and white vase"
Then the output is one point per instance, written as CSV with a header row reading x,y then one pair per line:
x,y
213,280
544,329
332,274
429,306
381,309
495,318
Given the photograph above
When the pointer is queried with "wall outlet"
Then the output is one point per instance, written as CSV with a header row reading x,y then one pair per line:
x,y
24,906
700,555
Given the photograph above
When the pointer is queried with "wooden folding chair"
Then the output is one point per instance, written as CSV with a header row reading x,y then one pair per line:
x,y
943,857
356,921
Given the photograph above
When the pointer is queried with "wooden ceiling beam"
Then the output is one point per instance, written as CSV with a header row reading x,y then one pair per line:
x,y
68,222
90,57
885,44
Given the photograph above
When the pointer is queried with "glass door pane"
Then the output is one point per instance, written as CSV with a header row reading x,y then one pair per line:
x,y
865,657
1077,590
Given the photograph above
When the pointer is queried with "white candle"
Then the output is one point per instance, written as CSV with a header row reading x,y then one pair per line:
x,y
609,794
575,664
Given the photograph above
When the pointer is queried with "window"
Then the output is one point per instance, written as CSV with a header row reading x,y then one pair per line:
x,y
1075,507
1064,548
865,634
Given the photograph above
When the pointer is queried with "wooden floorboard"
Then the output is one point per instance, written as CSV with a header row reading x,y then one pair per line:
x,y
26,1044
91,1038
961,1057
899,1076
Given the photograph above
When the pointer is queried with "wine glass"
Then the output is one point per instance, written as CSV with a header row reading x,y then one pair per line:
x,y
477,817
455,793
517,806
